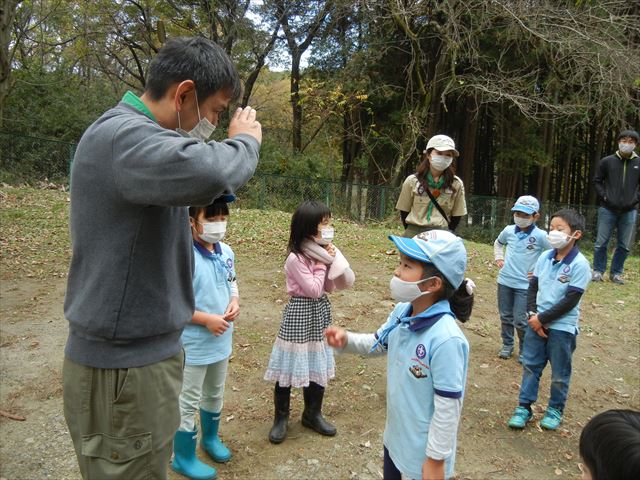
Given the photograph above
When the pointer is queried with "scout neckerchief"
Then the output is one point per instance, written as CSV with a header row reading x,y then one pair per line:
x,y
217,258
421,321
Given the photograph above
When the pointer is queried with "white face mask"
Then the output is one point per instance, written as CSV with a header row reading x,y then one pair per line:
x,y
212,232
440,162
558,239
522,222
626,147
402,291
326,236
203,129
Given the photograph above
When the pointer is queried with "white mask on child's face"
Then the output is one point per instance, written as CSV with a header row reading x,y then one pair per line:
x,y
402,291
522,222
212,232
326,236
558,239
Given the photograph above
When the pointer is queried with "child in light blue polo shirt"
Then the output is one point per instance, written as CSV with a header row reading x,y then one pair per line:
x,y
427,355
559,280
525,242
207,340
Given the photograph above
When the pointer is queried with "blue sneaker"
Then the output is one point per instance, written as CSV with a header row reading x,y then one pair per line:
x,y
552,419
520,418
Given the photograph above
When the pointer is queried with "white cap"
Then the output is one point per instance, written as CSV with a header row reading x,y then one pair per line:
x,y
442,143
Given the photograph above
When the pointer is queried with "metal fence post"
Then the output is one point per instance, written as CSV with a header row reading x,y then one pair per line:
x,y
327,194
263,191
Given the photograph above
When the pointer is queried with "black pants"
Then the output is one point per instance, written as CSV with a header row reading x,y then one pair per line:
x,y
390,471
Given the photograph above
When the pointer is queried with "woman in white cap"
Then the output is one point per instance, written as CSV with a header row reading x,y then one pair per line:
x,y
433,197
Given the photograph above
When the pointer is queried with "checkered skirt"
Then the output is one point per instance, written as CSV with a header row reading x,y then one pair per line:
x,y
300,353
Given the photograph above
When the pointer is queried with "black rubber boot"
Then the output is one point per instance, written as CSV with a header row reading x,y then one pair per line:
x,y
281,398
312,414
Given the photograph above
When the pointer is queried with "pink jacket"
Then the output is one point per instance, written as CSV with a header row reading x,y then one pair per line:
x,y
306,277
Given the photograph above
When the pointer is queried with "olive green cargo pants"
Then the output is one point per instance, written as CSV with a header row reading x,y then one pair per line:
x,y
122,421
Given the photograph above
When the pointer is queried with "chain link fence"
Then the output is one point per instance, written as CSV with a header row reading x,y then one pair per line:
x,y
485,219
25,158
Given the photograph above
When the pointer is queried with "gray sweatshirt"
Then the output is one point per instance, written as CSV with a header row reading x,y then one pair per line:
x,y
129,292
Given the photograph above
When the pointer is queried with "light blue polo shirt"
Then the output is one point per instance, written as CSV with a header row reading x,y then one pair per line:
x,y
555,279
212,277
523,249
426,355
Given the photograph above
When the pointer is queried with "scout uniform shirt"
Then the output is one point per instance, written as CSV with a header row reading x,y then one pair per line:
x,y
427,355
555,278
212,277
415,200
523,249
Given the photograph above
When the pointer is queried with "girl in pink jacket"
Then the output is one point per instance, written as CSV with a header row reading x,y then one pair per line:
x,y
301,356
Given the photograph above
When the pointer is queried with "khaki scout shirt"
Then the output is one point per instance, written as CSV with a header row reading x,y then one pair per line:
x,y
413,200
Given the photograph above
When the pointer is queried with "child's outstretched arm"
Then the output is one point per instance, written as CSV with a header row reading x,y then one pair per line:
x,y
349,342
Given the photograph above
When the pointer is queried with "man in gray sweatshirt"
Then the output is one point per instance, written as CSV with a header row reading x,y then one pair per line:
x,y
129,295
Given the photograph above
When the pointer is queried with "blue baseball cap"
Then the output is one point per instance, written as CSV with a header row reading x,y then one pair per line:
x,y
226,198
526,204
441,248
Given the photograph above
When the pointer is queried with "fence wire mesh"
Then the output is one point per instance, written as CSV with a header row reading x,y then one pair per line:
x,y
27,158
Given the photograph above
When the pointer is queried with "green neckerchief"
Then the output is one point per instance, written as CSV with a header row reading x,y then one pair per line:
x,y
132,99
432,184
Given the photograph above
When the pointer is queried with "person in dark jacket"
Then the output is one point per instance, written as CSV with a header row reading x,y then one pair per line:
x,y
616,181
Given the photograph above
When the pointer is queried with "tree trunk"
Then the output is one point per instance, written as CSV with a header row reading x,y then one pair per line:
x,y
7,11
296,108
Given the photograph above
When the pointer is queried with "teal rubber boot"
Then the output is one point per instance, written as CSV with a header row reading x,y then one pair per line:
x,y
185,461
211,443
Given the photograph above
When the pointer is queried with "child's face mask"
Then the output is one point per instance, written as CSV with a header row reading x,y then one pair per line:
x,y
212,232
558,239
522,222
402,291
326,236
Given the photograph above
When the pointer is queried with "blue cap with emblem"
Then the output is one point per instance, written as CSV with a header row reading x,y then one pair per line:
x,y
526,204
441,248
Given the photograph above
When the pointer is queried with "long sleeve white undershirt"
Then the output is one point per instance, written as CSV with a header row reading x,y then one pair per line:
x,y
444,424
498,250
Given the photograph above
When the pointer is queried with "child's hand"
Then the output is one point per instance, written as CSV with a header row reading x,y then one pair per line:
x,y
536,326
500,263
216,324
331,250
336,337
233,310
433,469
244,121
529,275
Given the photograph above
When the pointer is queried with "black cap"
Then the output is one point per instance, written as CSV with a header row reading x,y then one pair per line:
x,y
629,133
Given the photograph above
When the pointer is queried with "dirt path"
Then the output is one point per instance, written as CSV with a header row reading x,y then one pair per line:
x,y
33,333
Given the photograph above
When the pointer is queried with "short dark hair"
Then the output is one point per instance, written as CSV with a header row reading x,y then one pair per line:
x,y
213,210
574,219
610,445
304,223
460,301
193,58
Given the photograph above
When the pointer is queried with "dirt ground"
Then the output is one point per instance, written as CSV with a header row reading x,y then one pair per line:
x,y
606,375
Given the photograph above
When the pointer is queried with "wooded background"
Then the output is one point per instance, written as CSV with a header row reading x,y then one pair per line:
x,y
533,92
